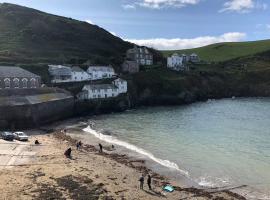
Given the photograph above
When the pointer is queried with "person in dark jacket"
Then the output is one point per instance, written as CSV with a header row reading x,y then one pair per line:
x,y
141,182
100,148
68,153
149,181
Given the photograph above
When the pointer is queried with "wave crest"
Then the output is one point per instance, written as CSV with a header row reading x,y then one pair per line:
x,y
113,140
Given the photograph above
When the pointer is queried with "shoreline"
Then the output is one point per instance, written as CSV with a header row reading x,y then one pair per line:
x,y
89,174
160,180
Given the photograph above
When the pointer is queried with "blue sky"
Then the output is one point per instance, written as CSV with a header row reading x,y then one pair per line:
x,y
168,24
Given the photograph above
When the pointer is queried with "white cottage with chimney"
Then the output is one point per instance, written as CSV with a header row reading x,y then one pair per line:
x,y
102,91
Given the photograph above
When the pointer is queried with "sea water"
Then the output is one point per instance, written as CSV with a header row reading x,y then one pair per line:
x,y
218,143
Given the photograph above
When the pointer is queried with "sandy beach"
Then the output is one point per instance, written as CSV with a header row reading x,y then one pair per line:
x,y
43,172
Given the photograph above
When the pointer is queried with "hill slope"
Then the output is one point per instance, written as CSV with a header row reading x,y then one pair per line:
x,y
226,51
31,36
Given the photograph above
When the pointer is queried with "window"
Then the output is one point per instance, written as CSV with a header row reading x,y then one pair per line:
x,y
24,83
7,82
33,83
16,83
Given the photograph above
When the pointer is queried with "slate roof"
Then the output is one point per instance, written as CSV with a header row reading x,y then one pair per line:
x,y
100,68
77,69
99,86
15,72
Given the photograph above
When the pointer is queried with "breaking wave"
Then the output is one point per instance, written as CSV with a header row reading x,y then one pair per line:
x,y
113,140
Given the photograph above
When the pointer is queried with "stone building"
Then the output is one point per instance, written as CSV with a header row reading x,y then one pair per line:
x,y
18,78
141,55
130,66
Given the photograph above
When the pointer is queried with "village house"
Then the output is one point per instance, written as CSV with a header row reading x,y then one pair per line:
x,y
18,78
100,72
101,91
60,73
194,58
185,58
175,62
141,55
78,74
130,67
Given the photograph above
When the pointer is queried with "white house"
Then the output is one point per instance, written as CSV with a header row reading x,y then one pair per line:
x,y
100,72
175,62
194,58
101,91
121,85
78,74
59,73
185,58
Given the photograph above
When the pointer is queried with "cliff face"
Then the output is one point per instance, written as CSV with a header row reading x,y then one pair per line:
x,y
182,89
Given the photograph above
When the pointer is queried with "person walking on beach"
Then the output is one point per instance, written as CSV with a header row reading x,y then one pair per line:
x,y
100,148
141,182
78,145
149,181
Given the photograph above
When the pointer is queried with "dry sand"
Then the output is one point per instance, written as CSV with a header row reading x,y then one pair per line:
x,y
47,174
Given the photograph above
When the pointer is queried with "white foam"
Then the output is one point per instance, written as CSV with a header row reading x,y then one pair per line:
x,y
113,140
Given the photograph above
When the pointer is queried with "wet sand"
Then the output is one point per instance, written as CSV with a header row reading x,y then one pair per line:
x,y
88,175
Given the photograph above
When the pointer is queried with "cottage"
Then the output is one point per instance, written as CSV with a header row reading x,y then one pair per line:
x,y
121,85
101,91
175,62
130,67
141,55
60,73
194,58
78,74
185,58
18,78
100,72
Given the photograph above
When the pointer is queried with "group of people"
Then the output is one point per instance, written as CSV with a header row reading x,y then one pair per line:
x,y
141,180
78,146
149,181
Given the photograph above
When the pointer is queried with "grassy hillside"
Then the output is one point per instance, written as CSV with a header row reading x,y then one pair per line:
x,y
32,36
226,51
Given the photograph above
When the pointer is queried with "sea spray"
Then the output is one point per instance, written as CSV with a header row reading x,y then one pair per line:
x,y
113,140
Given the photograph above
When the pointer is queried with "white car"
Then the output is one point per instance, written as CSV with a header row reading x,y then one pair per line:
x,y
21,136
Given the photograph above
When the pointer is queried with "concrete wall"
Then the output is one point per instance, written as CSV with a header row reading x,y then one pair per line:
x,y
35,109
34,115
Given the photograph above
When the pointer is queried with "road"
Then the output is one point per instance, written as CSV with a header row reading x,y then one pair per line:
x,y
15,153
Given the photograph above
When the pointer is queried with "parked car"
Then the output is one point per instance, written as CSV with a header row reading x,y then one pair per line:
x,y
21,136
7,136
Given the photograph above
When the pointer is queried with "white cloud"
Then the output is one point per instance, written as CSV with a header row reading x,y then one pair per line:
x,y
242,6
268,27
113,33
89,21
159,4
180,43
129,6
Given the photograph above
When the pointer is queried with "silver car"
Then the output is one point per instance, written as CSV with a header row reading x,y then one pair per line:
x,y
21,136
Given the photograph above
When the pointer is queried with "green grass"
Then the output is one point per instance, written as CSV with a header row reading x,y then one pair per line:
x,y
32,36
226,51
